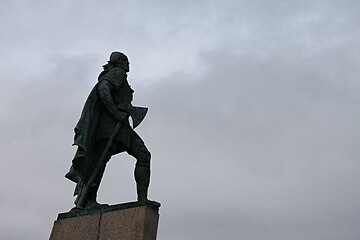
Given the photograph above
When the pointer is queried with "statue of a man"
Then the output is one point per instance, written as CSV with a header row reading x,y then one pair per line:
x,y
104,130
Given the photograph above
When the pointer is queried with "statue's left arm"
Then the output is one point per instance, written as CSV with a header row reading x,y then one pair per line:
x,y
104,91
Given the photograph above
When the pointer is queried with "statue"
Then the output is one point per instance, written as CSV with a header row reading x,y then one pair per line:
x,y
104,130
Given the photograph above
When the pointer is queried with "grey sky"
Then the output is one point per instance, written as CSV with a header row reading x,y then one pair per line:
x,y
252,124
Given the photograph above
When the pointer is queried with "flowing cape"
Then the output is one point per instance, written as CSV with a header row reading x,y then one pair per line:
x,y
84,139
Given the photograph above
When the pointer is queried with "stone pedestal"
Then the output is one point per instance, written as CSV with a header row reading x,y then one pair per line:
x,y
130,221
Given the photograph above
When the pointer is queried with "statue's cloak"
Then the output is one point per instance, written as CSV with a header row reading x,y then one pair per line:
x,y
84,139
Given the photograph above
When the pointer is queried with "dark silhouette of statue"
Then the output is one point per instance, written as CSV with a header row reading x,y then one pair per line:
x,y
104,130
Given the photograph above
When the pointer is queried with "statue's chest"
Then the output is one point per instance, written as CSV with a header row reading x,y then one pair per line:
x,y
122,93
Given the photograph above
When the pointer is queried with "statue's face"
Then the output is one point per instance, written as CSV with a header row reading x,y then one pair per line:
x,y
126,65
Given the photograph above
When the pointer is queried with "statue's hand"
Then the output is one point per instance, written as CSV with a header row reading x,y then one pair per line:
x,y
120,116
124,106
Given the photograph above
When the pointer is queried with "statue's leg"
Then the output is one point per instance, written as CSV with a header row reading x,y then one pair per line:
x,y
138,150
100,146
117,147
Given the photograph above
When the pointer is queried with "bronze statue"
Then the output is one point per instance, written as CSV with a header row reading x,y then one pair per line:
x,y
104,130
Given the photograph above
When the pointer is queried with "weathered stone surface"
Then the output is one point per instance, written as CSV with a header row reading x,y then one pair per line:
x,y
150,224
85,227
133,223
137,224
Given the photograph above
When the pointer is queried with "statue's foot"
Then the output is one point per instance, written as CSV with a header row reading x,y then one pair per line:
x,y
147,201
76,209
95,205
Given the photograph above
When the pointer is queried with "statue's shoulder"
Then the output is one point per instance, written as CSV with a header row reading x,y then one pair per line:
x,y
115,76
115,73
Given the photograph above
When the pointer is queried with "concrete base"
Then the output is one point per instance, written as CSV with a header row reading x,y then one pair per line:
x,y
123,221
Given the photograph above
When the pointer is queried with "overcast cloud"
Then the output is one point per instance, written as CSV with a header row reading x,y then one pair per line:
x,y
253,119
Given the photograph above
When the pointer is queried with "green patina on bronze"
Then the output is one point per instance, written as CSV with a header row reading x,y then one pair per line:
x,y
104,130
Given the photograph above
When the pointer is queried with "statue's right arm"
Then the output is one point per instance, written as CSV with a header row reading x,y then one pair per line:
x,y
104,90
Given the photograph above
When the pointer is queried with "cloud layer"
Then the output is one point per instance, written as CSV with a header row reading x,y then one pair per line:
x,y
252,122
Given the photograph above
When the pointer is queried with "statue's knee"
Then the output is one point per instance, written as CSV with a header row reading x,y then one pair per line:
x,y
147,156
144,159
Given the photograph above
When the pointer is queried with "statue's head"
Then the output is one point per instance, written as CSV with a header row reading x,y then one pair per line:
x,y
119,59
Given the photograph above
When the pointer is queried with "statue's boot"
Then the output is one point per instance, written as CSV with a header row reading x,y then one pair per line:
x,y
92,195
146,201
142,178
92,203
